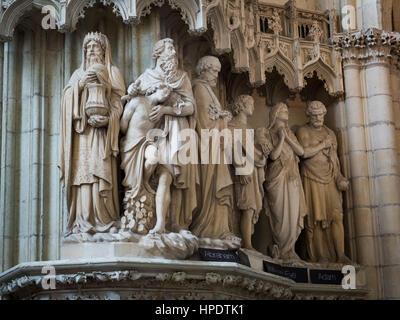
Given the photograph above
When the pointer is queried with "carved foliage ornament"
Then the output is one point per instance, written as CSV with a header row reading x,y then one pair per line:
x,y
368,45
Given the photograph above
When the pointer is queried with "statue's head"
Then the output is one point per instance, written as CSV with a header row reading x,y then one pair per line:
x,y
159,92
279,115
316,112
94,46
165,55
208,68
243,103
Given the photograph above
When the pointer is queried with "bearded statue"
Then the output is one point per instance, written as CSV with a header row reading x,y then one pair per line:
x,y
90,111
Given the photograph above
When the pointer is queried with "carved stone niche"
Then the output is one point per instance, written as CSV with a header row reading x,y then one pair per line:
x,y
134,279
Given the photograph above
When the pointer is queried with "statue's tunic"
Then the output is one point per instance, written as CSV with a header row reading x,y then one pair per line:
x,y
87,156
287,207
185,175
249,196
214,219
323,198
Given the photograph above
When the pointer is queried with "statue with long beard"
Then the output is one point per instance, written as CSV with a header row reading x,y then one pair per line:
x,y
89,140
175,180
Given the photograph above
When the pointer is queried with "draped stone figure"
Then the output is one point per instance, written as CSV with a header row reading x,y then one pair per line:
x,y
249,189
90,111
171,115
214,218
284,191
323,184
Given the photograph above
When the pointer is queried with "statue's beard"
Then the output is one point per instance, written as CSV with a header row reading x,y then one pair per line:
x,y
169,65
93,59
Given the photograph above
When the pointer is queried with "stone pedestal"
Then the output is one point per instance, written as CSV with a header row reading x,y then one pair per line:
x,y
73,251
137,278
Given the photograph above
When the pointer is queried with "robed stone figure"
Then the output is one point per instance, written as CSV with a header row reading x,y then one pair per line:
x,y
175,170
89,140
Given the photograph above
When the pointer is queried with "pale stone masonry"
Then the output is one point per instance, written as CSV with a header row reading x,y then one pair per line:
x,y
291,51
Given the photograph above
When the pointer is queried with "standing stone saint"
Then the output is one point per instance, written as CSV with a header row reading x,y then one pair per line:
x,y
249,190
90,111
172,112
284,190
323,184
214,218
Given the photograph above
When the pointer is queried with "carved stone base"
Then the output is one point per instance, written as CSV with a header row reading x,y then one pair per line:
x,y
127,278
127,244
169,245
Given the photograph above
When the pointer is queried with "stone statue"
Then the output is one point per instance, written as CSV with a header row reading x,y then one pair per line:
x,y
138,158
214,218
323,184
249,190
90,111
284,191
170,108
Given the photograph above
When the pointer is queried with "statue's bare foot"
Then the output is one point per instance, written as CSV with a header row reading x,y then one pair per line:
x,y
157,229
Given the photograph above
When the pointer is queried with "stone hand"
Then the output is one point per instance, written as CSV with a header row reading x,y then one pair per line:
x,y
98,121
327,143
282,133
343,184
156,113
244,180
88,77
133,89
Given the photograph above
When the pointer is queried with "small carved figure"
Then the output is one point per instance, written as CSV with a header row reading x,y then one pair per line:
x,y
139,155
323,184
249,190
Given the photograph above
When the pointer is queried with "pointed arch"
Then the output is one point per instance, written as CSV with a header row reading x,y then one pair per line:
x,y
189,9
284,67
324,73
11,16
76,10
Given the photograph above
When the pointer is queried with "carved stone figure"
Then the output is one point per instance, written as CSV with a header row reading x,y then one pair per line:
x,y
323,184
175,180
249,190
138,157
250,25
216,187
90,111
284,191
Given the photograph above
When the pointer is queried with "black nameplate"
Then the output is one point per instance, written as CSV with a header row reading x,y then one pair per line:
x,y
326,277
296,274
219,255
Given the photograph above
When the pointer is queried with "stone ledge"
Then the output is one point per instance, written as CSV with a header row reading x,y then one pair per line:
x,y
138,278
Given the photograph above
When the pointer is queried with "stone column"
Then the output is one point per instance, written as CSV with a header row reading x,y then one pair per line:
x,y
361,208
373,150
7,174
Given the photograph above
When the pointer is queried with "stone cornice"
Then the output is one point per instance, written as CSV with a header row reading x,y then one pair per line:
x,y
369,46
164,279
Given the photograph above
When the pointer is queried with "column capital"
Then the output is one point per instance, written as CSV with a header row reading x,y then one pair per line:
x,y
368,46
